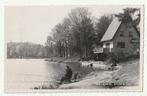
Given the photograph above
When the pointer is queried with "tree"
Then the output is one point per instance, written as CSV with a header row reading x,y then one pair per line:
x,y
75,34
59,36
128,16
101,26
82,30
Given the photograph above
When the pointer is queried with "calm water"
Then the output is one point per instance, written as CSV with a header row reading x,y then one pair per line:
x,y
30,73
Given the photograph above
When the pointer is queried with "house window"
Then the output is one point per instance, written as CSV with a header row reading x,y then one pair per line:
x,y
121,34
130,34
121,44
133,40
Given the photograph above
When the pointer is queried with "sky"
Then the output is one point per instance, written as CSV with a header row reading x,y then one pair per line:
x,y
34,23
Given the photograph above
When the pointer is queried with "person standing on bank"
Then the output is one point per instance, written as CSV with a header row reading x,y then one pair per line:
x,y
114,64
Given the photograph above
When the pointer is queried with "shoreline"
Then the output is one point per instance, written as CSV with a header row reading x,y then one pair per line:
x,y
122,77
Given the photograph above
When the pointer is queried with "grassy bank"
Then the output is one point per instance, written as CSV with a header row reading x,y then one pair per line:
x,y
126,75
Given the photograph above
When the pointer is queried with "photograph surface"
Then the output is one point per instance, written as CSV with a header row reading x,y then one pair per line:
x,y
93,47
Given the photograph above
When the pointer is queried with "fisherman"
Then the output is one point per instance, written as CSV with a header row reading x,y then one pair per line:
x,y
68,74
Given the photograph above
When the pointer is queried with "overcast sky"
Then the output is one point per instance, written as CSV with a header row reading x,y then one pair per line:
x,y
34,23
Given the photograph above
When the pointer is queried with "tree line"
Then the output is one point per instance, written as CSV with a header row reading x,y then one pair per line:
x,y
26,50
80,32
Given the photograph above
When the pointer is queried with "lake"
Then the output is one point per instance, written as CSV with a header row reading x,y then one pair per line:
x,y
22,74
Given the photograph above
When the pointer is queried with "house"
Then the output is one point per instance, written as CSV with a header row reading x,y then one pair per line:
x,y
121,39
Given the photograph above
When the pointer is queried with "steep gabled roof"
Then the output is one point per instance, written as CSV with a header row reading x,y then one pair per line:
x,y
112,29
